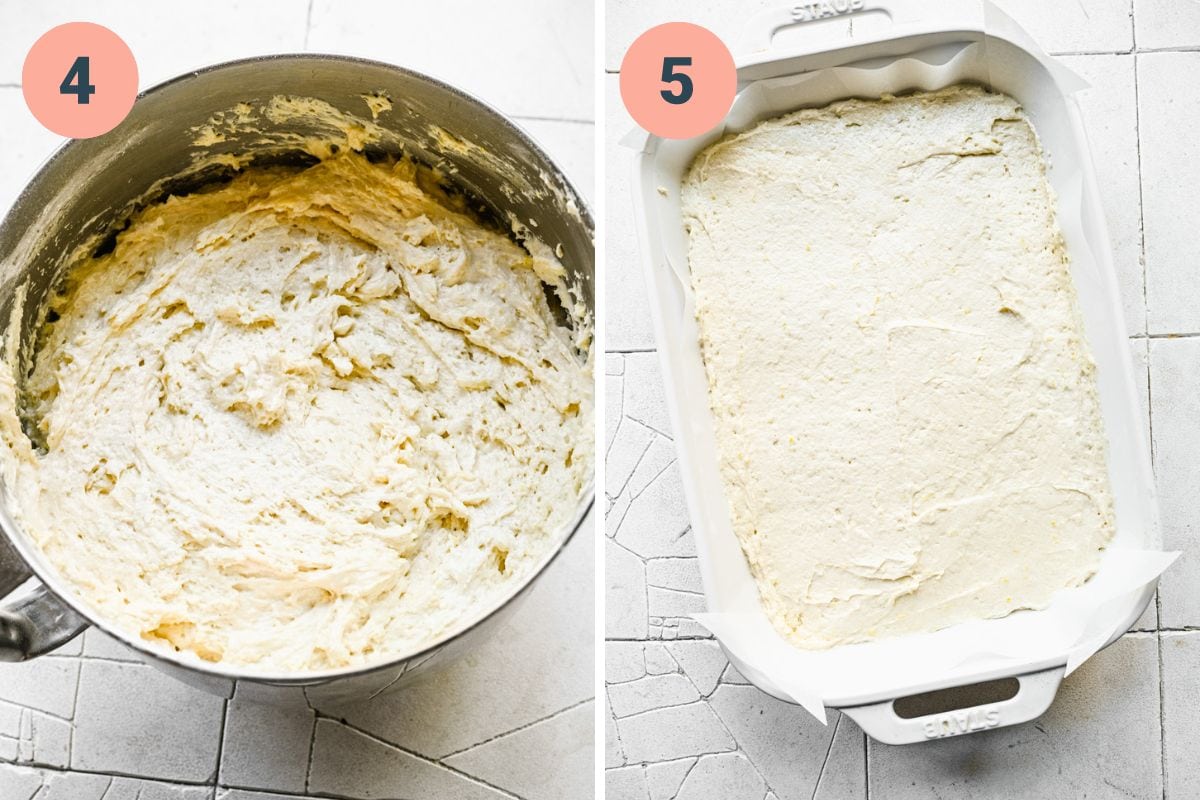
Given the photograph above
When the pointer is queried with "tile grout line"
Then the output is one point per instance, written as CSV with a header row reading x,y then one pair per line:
x,y
520,728
641,455
271,792
686,775
1162,717
221,741
701,700
632,640
1158,640
1137,140
1177,49
307,24
101,659
737,746
130,775
866,765
705,699
828,753
75,712
620,744
544,118
312,747
290,793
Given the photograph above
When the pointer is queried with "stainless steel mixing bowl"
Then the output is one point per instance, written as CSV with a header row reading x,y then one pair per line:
x,y
88,189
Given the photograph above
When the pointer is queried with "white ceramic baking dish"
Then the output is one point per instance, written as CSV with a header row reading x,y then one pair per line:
x,y
902,45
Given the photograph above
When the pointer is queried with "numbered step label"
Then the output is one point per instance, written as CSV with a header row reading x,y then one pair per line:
x,y
678,80
77,82
80,80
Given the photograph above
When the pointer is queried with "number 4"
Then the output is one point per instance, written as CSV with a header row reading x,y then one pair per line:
x,y
669,75
82,88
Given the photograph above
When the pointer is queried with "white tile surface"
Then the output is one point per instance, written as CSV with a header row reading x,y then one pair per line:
x,y
27,783
169,736
664,779
100,645
1110,119
349,763
48,685
266,746
721,775
653,691
787,745
1175,397
627,783
166,40
625,20
27,144
1181,696
625,612
248,794
492,713
565,740
1086,26
22,783
536,54
1102,737
701,660
1166,23
1169,113
673,732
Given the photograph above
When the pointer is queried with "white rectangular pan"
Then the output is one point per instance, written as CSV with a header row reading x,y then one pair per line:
x,y
906,46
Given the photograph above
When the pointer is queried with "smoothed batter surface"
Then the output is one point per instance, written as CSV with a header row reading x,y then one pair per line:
x,y
906,412
307,419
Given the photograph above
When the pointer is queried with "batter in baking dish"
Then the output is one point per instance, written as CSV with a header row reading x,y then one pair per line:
x,y
905,407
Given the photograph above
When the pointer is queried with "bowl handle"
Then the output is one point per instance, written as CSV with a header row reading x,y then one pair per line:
x,y
1036,692
33,621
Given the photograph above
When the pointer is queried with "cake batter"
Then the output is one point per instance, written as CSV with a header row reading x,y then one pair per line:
x,y
905,408
308,419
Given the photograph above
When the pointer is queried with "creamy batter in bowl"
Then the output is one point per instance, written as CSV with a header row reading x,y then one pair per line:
x,y
273,118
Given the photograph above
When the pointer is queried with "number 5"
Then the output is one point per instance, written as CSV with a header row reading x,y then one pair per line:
x,y
669,75
82,88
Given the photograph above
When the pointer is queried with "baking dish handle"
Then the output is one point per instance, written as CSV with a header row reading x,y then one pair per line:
x,y
759,32
1036,692
33,621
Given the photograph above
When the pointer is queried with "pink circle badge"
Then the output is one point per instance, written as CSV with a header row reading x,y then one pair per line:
x,y
80,80
678,80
